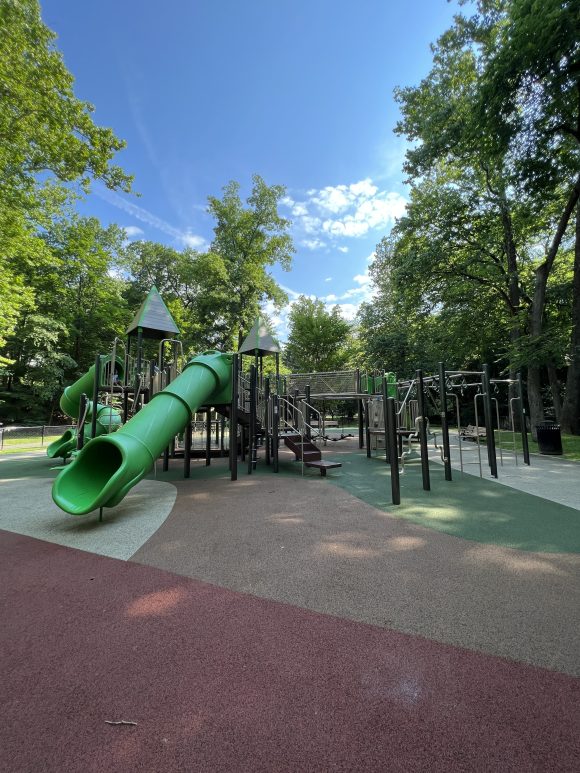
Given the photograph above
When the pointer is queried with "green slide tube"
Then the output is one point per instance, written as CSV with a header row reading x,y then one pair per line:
x,y
64,445
110,465
69,404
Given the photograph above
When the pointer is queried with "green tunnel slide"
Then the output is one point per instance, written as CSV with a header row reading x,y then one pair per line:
x,y
108,419
110,465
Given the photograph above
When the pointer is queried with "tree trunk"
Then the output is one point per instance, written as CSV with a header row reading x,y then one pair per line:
x,y
539,302
570,419
555,389
535,398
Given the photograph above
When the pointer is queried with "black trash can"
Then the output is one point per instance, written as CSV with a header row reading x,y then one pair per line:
x,y
549,438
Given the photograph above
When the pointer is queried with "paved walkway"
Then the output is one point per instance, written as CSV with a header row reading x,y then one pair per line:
x,y
548,477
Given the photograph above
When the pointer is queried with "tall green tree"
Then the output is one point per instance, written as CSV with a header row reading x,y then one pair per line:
x,y
531,87
319,340
500,106
193,285
77,311
48,143
250,239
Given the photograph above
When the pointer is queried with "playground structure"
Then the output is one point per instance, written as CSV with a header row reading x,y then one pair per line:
x,y
151,409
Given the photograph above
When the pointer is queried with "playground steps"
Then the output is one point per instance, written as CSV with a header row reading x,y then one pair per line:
x,y
311,452
323,466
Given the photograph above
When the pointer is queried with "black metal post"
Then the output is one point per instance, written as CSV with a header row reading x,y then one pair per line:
x,y
96,385
523,425
386,420
295,411
222,433
208,437
444,423
307,411
267,417
81,425
136,403
423,432
275,425
166,450
394,456
234,421
488,413
367,430
187,450
252,422
360,411
149,394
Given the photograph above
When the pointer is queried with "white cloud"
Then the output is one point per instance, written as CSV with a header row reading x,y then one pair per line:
x,y
193,240
299,210
186,238
348,310
313,244
328,279
133,231
346,211
362,279
343,249
310,224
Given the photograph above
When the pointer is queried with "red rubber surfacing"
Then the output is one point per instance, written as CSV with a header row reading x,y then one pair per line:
x,y
218,680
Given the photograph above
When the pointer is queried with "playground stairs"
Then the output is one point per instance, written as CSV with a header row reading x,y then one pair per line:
x,y
311,452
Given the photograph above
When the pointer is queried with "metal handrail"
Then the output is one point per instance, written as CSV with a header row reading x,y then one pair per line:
x,y
283,420
321,420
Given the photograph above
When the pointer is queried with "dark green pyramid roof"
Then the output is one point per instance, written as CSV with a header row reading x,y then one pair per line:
x,y
259,339
153,318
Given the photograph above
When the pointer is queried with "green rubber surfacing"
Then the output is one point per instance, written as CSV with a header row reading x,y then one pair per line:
x,y
467,507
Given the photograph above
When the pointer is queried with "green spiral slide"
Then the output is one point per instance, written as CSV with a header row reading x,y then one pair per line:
x,y
108,419
110,465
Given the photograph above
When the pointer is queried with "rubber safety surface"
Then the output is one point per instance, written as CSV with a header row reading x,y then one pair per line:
x,y
218,680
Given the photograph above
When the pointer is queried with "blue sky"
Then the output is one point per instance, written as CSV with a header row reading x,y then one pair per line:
x,y
298,91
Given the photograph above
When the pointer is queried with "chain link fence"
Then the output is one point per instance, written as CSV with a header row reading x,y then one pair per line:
x,y
31,437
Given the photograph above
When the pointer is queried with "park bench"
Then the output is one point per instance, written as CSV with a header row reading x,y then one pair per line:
x,y
471,433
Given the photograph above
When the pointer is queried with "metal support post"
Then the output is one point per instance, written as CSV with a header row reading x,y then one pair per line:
x,y
524,429
394,455
96,385
136,402
444,424
208,437
252,422
275,425
360,412
295,409
488,414
234,421
423,432
386,420
307,412
81,426
166,451
267,427
187,451
367,430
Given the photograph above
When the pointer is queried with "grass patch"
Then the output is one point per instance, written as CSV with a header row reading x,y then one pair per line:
x,y
570,444
19,445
